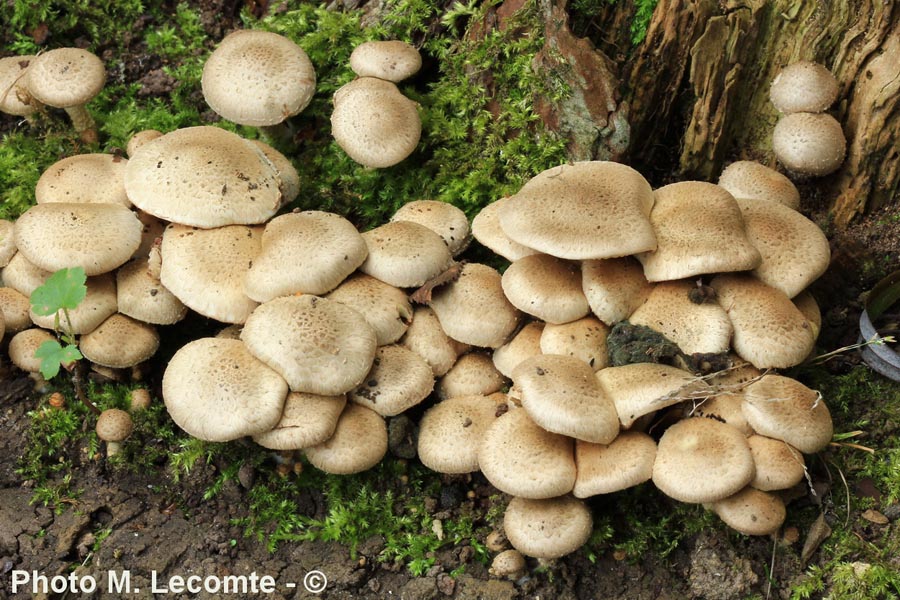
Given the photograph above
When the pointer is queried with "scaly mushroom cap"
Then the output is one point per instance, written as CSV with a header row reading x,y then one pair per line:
x,y
443,218
85,178
807,305
584,339
803,87
751,511
594,209
779,465
546,287
486,229
143,297
399,379
426,337
22,275
258,78
217,391
203,176
700,230
702,460
614,287
15,307
525,344
98,304
451,431
13,92
307,420
7,241
120,342
65,77
287,174
642,388
784,409
23,345
97,237
474,374
390,60
752,180
809,143
359,442
139,139
385,307
114,425
547,528
404,254
603,469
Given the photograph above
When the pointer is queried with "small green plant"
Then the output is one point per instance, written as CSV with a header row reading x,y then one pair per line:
x,y
63,291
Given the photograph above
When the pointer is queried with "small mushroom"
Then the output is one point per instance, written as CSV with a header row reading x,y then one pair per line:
x,y
803,87
113,427
391,60
509,564
809,143
140,399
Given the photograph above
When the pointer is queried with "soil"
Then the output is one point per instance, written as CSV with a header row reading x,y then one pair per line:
x,y
170,529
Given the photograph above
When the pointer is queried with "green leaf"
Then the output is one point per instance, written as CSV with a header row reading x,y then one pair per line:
x,y
65,289
53,355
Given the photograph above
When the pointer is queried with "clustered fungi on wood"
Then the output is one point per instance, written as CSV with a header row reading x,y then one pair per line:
x,y
323,343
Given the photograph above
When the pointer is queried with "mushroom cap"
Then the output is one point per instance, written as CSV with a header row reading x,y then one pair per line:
x,y
65,77
114,425
309,252
120,342
203,176
319,346
546,287
606,468
23,345
474,374
486,229
525,344
727,408
784,409
140,138
779,465
205,268
141,296
807,305
426,338
474,310
359,442
700,230
391,60
386,308
641,388
769,331
287,174
374,123
258,78
307,420
593,209
509,563
702,460
98,304
520,458
703,328
803,86
399,379
12,85
446,220
217,391
752,180
547,528
584,339
794,250
15,307
85,178
7,241
809,143
22,275
451,432
562,395
751,511
404,254
97,237
614,287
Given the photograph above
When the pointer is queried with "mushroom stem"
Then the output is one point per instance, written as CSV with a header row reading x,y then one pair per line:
x,y
83,123
113,448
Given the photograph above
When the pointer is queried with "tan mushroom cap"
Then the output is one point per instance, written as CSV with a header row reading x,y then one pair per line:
x,y
114,425
508,564
520,458
215,390
593,209
309,252
486,229
795,252
85,178
404,254
99,303
7,241
474,374
399,379
546,287
319,346
287,174
139,139
614,287
584,339
258,78
769,331
547,528
65,77
641,388
307,420
390,60
703,328
725,407
751,511
606,468
752,180
359,442
152,230
807,305
386,308
15,307
809,143
562,395
446,220
779,466
784,409
143,297
451,432
426,338
700,230
120,342
205,268
374,123
22,275
803,87
23,345
474,310
525,344
96,237
702,460
13,93
203,176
